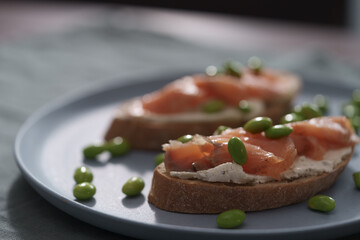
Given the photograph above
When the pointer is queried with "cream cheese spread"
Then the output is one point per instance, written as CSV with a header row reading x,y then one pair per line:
x,y
302,167
135,109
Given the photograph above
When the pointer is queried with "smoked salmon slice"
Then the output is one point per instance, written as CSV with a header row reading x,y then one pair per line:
x,y
266,157
190,92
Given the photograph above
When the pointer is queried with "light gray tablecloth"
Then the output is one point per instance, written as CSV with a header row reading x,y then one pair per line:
x,y
35,71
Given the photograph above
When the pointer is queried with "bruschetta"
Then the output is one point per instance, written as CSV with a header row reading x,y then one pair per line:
x,y
200,176
200,103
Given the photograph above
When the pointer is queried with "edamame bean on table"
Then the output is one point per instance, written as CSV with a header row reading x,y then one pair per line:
x,y
356,177
91,151
321,203
133,186
231,218
84,191
83,174
117,147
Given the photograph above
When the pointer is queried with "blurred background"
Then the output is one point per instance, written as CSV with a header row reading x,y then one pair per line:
x,y
258,24
333,13
294,35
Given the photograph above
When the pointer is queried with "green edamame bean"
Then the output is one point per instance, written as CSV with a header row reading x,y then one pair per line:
x,y
159,158
83,174
90,152
321,203
84,191
237,150
308,110
186,138
244,106
117,147
255,64
356,97
220,129
232,68
231,218
213,106
291,117
258,124
133,186
356,177
211,70
355,122
350,110
278,131
321,102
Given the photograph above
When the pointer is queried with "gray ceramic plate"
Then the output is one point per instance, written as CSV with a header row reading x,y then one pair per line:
x,y
48,149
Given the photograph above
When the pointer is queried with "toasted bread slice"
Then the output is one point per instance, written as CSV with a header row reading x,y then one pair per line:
x,y
150,131
195,196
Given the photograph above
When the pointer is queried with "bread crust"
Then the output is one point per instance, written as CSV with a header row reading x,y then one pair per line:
x,y
143,133
195,196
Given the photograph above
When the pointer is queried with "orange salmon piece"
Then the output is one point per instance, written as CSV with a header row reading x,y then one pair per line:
x,y
179,96
266,157
188,157
314,137
191,92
